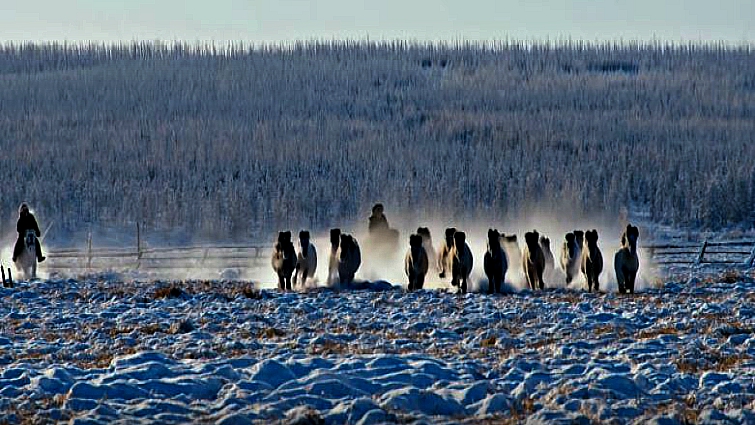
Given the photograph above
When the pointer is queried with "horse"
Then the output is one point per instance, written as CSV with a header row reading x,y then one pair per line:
x,y
592,260
510,246
533,261
26,262
349,259
444,256
570,256
416,263
427,243
495,262
306,260
550,261
284,260
335,243
579,238
626,263
461,262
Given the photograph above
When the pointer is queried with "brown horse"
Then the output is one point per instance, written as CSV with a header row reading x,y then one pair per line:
x,y
427,243
570,255
416,263
444,256
306,260
533,261
592,260
284,260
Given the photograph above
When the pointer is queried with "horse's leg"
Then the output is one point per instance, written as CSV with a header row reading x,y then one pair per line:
x,y
281,284
540,280
464,284
620,279
630,282
420,282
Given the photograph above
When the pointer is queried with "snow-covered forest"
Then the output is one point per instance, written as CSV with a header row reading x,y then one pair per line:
x,y
240,141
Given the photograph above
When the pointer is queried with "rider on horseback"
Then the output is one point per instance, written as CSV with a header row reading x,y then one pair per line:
x,y
26,221
378,222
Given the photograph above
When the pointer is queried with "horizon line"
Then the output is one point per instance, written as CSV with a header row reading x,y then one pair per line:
x,y
236,45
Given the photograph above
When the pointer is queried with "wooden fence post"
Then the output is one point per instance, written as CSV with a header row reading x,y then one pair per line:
x,y
702,253
138,242
89,251
751,260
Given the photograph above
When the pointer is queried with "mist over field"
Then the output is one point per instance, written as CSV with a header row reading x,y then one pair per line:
x,y
236,143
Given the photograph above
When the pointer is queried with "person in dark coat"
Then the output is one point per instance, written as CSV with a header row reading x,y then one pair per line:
x,y
26,221
378,222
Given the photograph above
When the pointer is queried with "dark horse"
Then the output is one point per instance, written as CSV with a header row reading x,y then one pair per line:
x,y
592,260
626,262
495,262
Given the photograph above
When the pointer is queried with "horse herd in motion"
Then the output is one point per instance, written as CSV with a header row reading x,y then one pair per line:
x,y
579,254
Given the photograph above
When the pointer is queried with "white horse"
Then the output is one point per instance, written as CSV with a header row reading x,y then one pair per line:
x,y
26,263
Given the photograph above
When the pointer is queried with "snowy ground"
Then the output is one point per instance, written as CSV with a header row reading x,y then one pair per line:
x,y
99,350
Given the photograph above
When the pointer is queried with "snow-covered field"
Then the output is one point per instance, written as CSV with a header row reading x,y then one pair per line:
x,y
99,350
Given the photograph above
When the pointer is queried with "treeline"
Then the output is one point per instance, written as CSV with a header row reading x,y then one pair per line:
x,y
238,141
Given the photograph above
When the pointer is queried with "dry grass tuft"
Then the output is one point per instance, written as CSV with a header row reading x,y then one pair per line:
x,y
171,291
523,408
542,343
151,329
664,330
711,361
270,333
488,342
732,276
251,293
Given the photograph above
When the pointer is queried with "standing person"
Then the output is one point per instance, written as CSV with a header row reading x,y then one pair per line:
x,y
26,221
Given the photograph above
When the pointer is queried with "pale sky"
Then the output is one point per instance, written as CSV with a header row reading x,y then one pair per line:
x,y
731,21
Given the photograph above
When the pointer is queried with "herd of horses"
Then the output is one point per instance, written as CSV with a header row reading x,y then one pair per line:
x,y
579,254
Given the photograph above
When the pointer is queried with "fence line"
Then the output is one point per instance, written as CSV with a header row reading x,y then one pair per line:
x,y
705,253
252,255
140,257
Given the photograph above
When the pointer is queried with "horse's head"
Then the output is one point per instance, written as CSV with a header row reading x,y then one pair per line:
x,y
424,232
450,236
591,238
460,238
571,243
415,243
579,238
532,239
494,239
545,243
335,238
30,238
509,239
